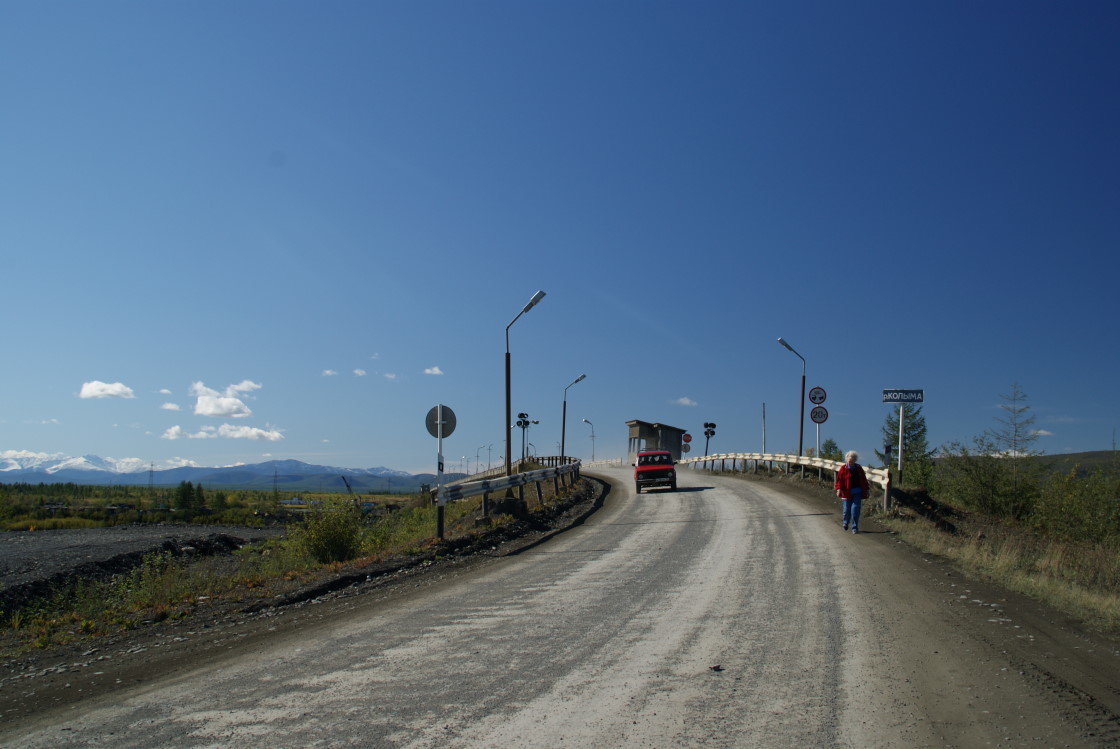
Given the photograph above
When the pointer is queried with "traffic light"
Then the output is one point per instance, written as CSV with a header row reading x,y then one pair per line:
x,y
709,432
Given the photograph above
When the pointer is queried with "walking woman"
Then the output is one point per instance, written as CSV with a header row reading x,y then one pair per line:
x,y
851,487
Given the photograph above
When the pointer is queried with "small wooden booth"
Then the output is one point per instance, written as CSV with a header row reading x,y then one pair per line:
x,y
649,436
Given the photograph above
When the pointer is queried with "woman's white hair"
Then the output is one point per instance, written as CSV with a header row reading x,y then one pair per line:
x,y
851,455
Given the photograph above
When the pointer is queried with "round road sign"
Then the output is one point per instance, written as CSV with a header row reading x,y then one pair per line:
x,y
817,396
819,414
448,421
685,447
687,438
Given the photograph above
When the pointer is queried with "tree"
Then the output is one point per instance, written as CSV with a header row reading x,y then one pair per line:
x,y
831,451
184,496
1001,473
917,458
1014,441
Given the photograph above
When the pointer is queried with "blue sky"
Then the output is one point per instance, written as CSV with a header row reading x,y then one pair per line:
x,y
237,231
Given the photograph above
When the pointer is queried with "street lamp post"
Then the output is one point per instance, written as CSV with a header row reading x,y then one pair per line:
x,y
564,416
801,422
585,421
509,414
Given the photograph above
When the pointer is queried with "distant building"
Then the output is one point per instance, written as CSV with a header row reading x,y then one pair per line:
x,y
647,436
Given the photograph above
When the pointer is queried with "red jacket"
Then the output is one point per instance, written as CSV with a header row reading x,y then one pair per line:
x,y
848,478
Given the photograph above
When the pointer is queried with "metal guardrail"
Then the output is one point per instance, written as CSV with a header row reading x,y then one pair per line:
x,y
880,476
517,465
605,463
453,492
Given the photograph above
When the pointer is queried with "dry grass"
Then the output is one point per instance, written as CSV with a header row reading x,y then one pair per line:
x,y
1082,580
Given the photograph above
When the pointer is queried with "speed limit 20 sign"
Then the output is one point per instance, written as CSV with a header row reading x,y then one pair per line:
x,y
819,414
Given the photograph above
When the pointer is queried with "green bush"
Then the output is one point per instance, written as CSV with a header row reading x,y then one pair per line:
x,y
1080,508
983,479
332,533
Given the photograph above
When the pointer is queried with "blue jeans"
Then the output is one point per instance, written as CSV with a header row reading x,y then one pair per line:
x,y
851,511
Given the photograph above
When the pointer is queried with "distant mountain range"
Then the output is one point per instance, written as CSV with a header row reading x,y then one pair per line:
x,y
286,475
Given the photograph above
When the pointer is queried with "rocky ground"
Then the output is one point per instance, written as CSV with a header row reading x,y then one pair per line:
x,y
42,680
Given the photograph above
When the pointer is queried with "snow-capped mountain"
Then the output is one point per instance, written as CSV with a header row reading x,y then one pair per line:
x,y
25,466
20,460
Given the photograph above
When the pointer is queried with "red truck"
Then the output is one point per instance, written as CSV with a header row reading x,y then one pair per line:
x,y
654,468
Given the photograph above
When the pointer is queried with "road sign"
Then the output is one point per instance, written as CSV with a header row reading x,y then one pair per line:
x,y
685,447
448,421
819,414
687,438
817,396
904,396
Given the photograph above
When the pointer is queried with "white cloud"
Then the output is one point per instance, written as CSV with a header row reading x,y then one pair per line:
x,y
685,402
164,391
245,386
329,373
360,372
98,389
223,405
375,356
180,463
1043,433
225,430
50,421
170,406
249,433
174,433
390,376
433,371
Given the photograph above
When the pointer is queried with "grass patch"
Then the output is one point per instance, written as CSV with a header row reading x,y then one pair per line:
x,y
50,524
1081,579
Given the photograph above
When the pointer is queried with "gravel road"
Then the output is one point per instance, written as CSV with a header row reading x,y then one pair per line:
x,y
729,613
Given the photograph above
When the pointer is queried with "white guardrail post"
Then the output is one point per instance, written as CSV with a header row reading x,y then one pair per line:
x,y
880,476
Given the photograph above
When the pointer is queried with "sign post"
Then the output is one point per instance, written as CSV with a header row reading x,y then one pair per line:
x,y
440,423
819,415
902,397
817,396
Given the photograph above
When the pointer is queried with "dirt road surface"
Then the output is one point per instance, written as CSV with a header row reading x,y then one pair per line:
x,y
730,613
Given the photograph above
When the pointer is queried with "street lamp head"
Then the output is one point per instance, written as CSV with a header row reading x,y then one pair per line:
x,y
791,349
533,302
586,421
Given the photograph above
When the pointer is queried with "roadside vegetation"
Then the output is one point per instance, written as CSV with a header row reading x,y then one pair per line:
x,y
998,507
333,534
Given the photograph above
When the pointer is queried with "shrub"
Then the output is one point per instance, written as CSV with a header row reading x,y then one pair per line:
x,y
988,481
332,533
1080,508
